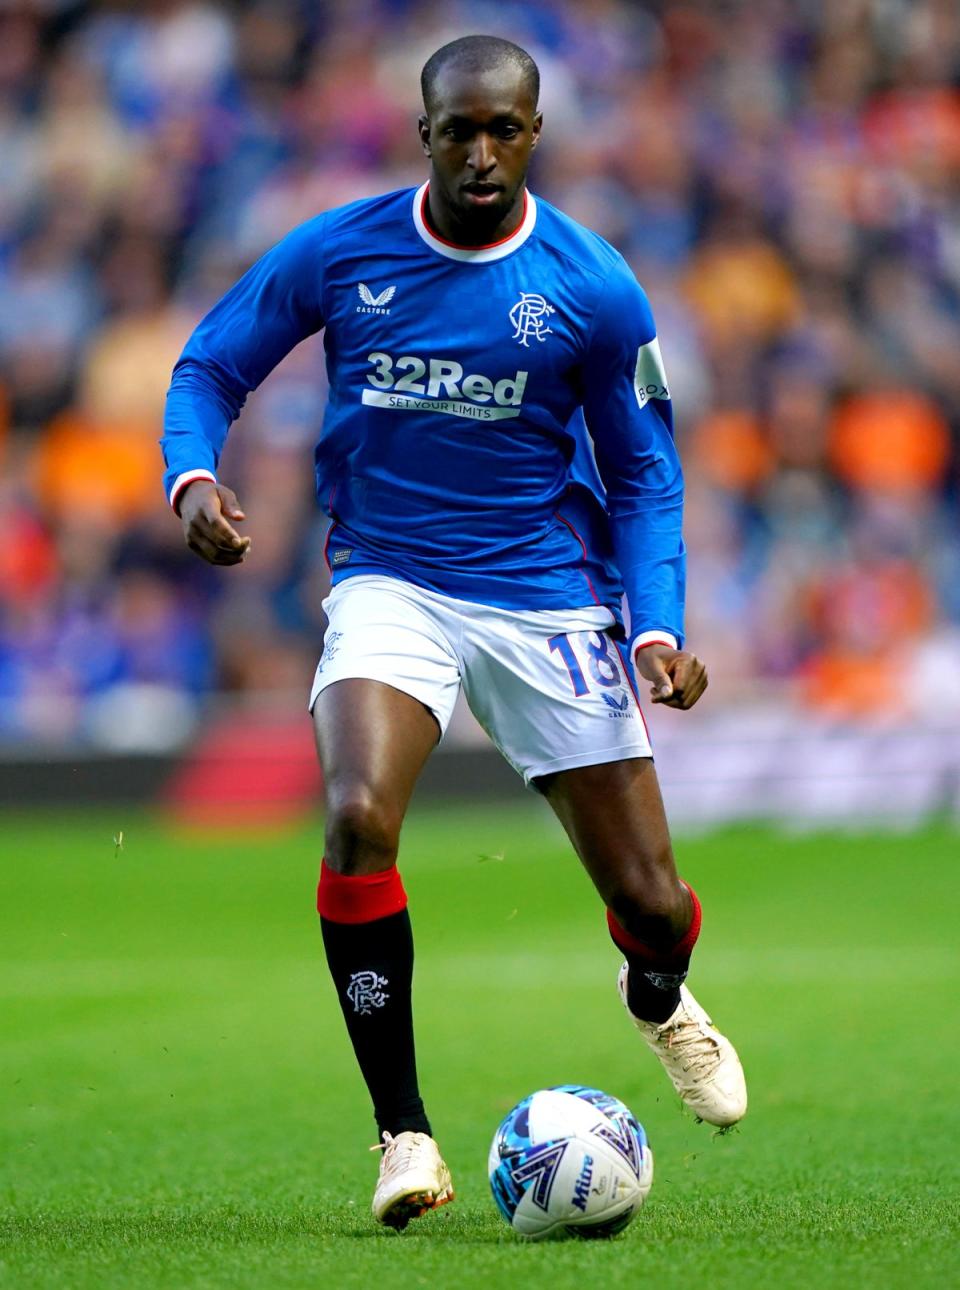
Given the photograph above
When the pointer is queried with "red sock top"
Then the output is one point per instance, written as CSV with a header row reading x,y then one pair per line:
x,y
360,898
681,951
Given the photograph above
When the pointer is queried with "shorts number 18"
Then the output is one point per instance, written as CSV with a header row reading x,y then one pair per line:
x,y
602,663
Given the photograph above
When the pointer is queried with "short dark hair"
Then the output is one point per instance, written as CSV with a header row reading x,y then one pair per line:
x,y
478,54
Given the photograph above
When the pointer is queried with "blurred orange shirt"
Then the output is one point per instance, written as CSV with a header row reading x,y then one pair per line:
x,y
891,441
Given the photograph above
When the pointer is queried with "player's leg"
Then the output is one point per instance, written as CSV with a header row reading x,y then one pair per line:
x,y
373,741
613,814
373,738
558,699
557,703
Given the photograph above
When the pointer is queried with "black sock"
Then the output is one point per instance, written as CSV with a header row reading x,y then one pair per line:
x,y
372,968
652,996
655,977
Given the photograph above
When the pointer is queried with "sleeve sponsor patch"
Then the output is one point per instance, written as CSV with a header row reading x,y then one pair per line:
x,y
649,378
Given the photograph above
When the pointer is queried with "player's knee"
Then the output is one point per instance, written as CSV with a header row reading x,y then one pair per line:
x,y
363,832
653,907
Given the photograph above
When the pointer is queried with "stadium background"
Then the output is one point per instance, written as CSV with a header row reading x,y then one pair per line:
x,y
783,177
179,1106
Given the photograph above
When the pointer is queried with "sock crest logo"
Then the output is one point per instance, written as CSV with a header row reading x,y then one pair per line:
x,y
365,992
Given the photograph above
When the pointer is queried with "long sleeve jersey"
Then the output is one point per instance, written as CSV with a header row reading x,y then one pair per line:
x,y
499,427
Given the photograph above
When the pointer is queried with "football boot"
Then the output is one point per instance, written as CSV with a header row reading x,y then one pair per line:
x,y
413,1179
702,1064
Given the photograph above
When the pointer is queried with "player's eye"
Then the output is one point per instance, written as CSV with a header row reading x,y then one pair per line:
x,y
508,131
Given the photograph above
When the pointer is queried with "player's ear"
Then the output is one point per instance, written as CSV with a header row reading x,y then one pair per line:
x,y
535,130
423,129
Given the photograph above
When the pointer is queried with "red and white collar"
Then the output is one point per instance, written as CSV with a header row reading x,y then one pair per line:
x,y
474,254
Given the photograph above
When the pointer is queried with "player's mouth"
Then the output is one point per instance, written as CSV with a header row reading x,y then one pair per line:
x,y
481,194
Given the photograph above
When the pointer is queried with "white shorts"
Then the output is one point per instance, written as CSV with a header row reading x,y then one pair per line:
x,y
550,687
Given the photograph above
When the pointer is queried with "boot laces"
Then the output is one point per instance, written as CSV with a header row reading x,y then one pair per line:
x,y
693,1044
398,1153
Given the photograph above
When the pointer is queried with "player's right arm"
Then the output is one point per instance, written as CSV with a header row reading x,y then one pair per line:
x,y
276,304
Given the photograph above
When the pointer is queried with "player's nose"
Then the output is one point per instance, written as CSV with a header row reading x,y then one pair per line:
x,y
482,157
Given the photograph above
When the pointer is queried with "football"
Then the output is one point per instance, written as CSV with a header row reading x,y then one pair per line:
x,y
570,1161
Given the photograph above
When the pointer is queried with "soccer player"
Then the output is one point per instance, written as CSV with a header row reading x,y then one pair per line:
x,y
498,465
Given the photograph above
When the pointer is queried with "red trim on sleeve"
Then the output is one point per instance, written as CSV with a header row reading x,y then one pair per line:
x,y
188,477
654,642
359,898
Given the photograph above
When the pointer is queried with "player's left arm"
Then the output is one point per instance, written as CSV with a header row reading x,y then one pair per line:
x,y
629,414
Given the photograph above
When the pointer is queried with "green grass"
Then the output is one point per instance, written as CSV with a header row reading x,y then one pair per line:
x,y
179,1107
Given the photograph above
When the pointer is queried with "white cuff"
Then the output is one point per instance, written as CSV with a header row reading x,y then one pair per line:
x,y
181,481
654,638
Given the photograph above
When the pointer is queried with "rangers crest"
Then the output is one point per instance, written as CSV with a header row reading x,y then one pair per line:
x,y
366,992
529,317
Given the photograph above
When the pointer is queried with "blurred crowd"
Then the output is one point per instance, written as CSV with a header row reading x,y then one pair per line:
x,y
784,177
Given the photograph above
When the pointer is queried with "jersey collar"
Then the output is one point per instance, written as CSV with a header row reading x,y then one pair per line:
x,y
474,254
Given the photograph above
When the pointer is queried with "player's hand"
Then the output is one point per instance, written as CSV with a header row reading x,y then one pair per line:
x,y
206,510
677,678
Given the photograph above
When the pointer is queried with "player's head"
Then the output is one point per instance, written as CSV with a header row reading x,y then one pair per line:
x,y
479,127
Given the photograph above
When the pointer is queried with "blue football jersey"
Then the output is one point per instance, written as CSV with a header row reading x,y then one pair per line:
x,y
499,426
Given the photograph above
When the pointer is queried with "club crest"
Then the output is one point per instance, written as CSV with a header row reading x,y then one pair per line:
x,y
529,318
365,992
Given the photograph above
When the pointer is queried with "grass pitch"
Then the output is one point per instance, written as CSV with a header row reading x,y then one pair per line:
x,y
179,1106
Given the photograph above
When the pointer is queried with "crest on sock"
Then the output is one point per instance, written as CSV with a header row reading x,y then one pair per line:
x,y
366,992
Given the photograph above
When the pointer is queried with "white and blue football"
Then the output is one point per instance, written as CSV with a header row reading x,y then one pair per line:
x,y
570,1161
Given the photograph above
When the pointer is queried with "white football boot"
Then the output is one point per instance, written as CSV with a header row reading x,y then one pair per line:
x,y
702,1064
413,1179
